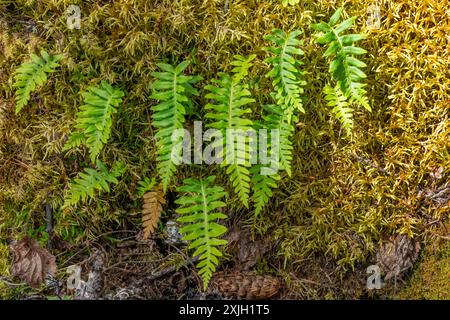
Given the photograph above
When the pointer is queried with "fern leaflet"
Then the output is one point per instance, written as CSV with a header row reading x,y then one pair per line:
x,y
94,120
289,2
33,74
199,212
90,181
145,186
340,107
265,177
344,66
173,91
287,78
227,114
263,184
275,119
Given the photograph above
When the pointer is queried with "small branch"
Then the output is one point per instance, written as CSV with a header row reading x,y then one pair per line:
x,y
7,281
370,163
49,222
171,269
227,3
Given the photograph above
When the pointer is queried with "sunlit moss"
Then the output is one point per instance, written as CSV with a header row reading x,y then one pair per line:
x,y
431,278
5,291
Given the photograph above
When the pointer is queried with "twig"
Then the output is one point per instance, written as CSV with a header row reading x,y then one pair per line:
x,y
49,224
227,3
171,269
370,163
89,242
7,281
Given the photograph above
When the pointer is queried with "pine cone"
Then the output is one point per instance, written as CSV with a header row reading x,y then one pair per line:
x,y
397,255
248,286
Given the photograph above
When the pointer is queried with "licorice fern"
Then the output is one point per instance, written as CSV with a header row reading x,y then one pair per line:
x,y
286,76
265,177
263,184
173,91
33,74
145,186
199,210
91,181
340,107
94,120
344,66
275,119
227,113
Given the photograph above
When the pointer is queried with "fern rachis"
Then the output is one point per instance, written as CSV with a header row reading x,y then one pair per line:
x,y
199,210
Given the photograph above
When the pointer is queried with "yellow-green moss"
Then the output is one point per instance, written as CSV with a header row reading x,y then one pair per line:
x,y
5,291
431,278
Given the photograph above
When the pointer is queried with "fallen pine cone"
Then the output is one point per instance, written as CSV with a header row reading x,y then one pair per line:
x,y
247,286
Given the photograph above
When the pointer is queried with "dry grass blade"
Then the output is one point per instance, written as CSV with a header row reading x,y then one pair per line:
x,y
151,212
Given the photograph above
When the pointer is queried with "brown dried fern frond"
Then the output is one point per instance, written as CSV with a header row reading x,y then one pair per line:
x,y
151,211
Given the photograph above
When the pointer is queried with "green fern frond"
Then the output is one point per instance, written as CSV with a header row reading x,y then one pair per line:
x,y
227,115
33,74
344,67
173,91
275,119
287,78
241,66
265,177
92,180
75,139
262,184
199,214
340,107
145,186
94,120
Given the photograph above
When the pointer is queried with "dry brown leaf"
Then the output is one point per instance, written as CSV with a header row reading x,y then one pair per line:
x,y
248,286
32,263
397,255
245,250
151,212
